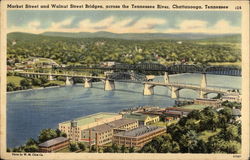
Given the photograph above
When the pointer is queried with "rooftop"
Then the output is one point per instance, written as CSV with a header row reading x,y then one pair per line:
x,y
91,118
53,142
113,124
140,131
137,116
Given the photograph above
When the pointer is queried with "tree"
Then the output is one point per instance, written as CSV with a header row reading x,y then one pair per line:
x,y
115,148
58,132
148,149
11,86
123,148
31,141
64,134
73,147
195,114
31,148
36,82
93,148
108,149
25,83
81,146
47,134
201,147
189,141
232,147
231,132
131,149
44,79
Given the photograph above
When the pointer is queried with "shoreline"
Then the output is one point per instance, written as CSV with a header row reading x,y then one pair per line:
x,y
33,89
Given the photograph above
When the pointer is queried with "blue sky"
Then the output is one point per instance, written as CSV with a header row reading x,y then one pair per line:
x,y
210,22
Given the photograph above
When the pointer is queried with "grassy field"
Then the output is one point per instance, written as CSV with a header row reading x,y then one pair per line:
x,y
14,79
206,134
193,106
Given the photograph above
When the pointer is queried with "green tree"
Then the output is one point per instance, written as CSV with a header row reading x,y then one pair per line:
x,y
108,149
93,148
25,83
36,82
31,141
47,134
11,86
231,132
73,147
115,148
131,149
44,79
189,141
31,148
81,146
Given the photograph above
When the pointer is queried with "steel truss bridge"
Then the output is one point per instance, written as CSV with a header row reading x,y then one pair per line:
x,y
154,67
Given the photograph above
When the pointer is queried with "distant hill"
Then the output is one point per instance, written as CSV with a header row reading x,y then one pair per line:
x,y
225,38
233,38
142,36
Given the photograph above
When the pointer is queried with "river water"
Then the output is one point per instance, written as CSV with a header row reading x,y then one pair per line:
x,y
28,112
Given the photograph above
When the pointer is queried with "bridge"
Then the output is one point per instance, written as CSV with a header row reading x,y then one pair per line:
x,y
155,67
202,90
109,82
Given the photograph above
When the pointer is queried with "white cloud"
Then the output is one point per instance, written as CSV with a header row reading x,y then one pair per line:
x,y
192,24
61,24
34,24
130,25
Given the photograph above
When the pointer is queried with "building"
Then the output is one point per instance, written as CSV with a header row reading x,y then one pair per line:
x,y
103,134
74,127
174,113
142,119
208,102
54,144
232,97
138,137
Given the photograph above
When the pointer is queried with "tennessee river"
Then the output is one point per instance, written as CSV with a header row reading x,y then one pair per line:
x,y
28,112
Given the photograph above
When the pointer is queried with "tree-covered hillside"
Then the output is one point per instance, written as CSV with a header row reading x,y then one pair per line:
x,y
95,50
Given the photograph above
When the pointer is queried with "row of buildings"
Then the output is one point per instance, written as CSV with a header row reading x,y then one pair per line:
x,y
131,130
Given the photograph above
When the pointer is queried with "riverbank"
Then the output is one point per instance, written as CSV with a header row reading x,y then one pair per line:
x,y
18,91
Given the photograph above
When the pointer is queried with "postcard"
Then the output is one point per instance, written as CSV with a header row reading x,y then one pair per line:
x,y
124,79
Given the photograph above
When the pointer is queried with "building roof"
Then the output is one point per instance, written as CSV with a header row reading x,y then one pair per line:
x,y
91,118
53,142
114,124
140,131
138,116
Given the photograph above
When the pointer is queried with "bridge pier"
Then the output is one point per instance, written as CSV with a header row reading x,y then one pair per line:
x,y
67,82
202,94
109,85
148,89
204,81
166,78
87,83
174,92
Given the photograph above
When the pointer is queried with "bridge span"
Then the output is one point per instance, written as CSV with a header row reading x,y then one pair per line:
x,y
109,83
